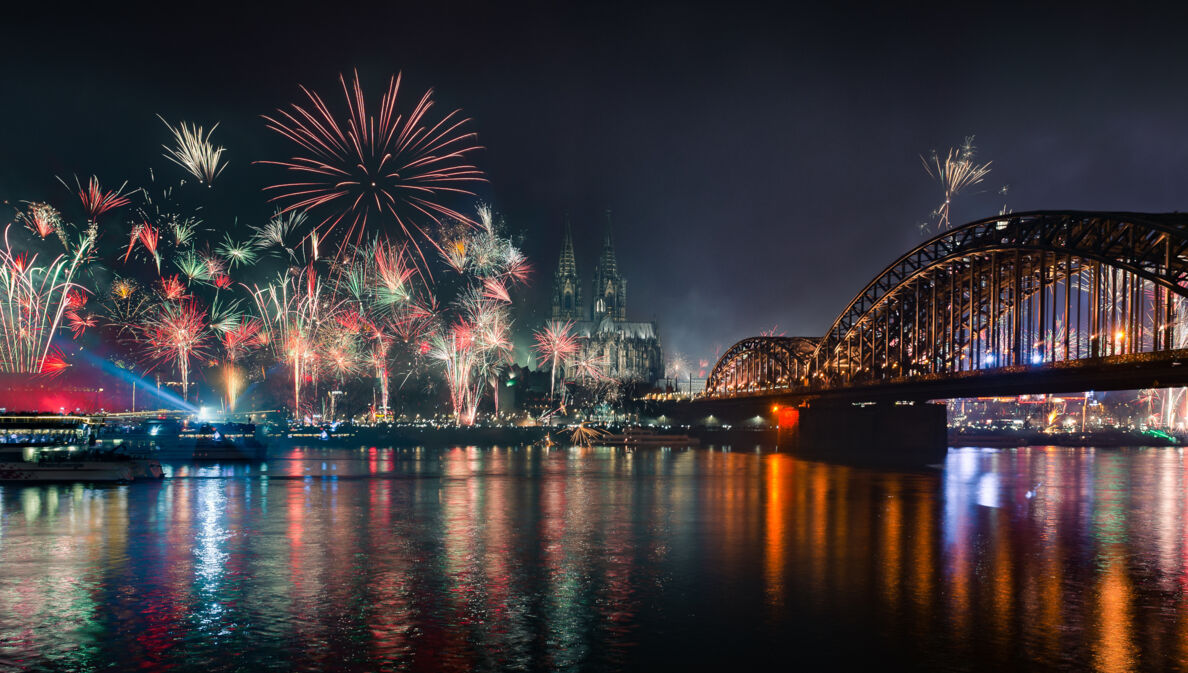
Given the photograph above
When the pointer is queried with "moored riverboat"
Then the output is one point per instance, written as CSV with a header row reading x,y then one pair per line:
x,y
59,448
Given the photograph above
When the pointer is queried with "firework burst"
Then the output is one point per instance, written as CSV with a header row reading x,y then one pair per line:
x,y
358,167
956,172
97,201
557,344
42,219
194,151
176,334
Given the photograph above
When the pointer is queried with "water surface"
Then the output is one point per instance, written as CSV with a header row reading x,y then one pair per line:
x,y
601,559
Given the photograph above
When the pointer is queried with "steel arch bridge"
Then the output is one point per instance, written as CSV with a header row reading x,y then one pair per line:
x,y
1012,294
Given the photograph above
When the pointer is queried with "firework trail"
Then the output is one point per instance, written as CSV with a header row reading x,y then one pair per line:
x,y
240,337
956,172
455,350
357,167
475,348
194,151
294,310
148,236
33,301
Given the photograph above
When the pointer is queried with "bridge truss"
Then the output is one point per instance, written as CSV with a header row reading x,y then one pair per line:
x,y
1001,294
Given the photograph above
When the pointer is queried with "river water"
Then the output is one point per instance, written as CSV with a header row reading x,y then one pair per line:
x,y
602,559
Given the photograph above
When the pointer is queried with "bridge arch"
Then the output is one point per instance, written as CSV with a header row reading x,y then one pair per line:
x,y
1009,292
763,363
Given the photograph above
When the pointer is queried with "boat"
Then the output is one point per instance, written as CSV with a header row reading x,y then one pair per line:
x,y
647,437
223,441
57,448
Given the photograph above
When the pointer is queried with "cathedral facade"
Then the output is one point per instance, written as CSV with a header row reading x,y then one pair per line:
x,y
631,349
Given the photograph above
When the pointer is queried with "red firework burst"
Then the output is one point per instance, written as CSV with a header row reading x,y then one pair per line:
x,y
96,200
246,334
55,363
558,344
175,335
172,288
79,322
357,167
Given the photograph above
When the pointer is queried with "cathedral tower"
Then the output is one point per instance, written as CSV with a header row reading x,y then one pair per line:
x,y
567,287
610,289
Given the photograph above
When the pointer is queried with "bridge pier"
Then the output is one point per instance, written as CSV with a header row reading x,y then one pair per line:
x,y
878,433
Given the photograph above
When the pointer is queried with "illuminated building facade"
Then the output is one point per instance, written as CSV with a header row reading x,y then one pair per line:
x,y
631,349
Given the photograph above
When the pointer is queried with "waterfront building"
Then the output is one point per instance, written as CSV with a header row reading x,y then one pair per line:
x,y
632,349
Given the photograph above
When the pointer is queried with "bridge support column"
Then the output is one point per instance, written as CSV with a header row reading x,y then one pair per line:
x,y
883,433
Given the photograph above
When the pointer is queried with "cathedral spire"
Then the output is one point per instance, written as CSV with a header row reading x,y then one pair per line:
x,y
567,265
608,266
567,287
610,289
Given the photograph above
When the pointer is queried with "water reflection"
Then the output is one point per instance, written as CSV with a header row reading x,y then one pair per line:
x,y
602,559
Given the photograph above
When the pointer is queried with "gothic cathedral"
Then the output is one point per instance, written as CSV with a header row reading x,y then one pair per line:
x,y
632,349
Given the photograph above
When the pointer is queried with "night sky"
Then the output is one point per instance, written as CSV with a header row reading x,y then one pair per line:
x,y
761,165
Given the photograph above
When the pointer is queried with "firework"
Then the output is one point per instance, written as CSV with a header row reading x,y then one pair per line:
x,y
494,288
456,350
584,436
956,172
172,288
236,341
182,229
393,275
293,310
125,307
75,317
237,253
148,236
33,301
54,363
557,344
95,200
42,219
677,366
590,366
194,151
176,333
357,167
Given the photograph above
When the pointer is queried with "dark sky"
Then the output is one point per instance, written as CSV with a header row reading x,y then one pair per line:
x,y
761,164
